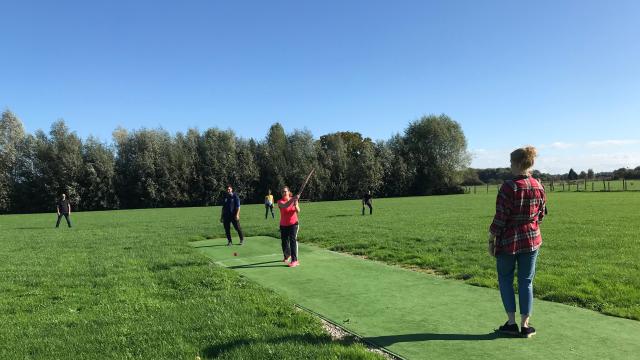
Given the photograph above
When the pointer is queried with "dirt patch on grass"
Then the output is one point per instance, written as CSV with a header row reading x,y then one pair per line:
x,y
339,334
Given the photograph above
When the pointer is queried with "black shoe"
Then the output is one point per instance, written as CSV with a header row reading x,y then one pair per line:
x,y
527,332
241,242
509,329
229,243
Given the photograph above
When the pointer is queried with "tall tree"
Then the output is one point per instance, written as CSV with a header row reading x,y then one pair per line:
x,y
273,158
572,175
12,142
67,165
144,167
437,148
97,182
334,158
301,157
186,159
246,174
218,161
397,174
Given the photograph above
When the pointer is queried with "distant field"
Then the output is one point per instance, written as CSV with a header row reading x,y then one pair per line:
x,y
568,186
590,256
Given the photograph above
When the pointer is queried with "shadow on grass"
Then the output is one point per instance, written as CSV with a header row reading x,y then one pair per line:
x,y
215,351
264,264
35,227
175,265
208,246
393,339
342,215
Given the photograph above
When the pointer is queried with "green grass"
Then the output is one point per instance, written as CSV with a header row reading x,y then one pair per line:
x,y
590,255
126,285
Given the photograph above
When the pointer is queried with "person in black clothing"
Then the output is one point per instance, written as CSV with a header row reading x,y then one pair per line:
x,y
63,208
231,215
366,200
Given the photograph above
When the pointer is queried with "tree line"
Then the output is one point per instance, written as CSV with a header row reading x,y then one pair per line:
x,y
154,168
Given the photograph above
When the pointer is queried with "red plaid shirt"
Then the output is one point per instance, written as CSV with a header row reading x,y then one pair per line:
x,y
520,207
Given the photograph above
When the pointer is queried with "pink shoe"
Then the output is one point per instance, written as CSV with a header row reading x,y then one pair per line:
x,y
286,259
294,264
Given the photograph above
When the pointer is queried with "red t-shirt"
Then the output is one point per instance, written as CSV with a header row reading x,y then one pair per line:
x,y
288,215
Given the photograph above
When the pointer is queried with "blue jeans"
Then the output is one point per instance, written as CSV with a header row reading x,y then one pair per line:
x,y
506,265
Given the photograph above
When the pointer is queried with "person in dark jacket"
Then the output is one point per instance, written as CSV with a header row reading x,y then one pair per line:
x,y
231,215
366,200
63,208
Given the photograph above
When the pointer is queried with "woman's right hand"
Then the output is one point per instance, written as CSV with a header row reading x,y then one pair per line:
x,y
492,245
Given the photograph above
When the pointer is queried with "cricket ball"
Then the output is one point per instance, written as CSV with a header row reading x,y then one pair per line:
x,y
235,254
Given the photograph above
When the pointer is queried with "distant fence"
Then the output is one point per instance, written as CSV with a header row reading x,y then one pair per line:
x,y
566,186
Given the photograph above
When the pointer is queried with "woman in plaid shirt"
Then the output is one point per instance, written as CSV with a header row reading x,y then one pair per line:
x,y
514,238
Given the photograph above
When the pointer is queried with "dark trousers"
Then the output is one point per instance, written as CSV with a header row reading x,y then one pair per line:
x,y
289,237
227,221
370,208
268,207
66,216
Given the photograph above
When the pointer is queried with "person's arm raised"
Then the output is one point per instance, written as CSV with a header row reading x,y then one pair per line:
x,y
297,202
286,204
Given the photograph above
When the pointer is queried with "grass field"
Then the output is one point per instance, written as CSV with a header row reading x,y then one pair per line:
x,y
126,284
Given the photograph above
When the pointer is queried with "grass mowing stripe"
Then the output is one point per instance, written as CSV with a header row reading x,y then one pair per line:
x,y
419,316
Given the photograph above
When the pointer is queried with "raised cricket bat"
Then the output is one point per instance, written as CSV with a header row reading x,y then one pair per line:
x,y
306,181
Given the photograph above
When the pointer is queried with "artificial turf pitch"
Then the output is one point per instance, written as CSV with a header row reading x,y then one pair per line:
x,y
418,315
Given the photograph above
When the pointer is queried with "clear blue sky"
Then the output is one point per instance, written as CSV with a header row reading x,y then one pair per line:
x,y
561,75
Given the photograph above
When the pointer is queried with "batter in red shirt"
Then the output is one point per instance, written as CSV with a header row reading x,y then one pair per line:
x,y
289,209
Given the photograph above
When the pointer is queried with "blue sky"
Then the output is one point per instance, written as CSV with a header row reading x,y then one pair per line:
x,y
560,75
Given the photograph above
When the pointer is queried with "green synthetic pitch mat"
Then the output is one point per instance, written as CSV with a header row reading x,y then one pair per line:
x,y
422,316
